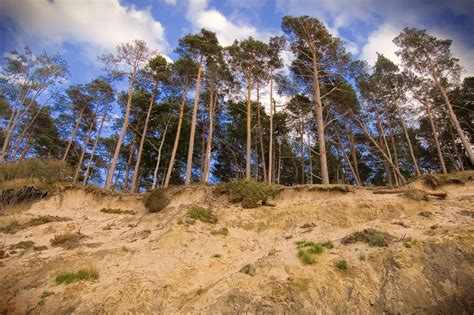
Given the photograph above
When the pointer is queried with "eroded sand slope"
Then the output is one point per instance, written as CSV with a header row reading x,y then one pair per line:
x,y
161,263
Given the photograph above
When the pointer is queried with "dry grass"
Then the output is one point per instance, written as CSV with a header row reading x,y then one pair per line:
x,y
156,200
204,215
117,211
15,226
67,240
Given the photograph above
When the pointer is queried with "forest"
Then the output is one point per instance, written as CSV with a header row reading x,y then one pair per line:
x,y
298,109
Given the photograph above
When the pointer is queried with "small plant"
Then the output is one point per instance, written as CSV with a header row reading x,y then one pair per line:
x,y
306,257
83,274
198,213
408,242
371,237
156,200
426,214
67,240
2,254
250,193
434,227
117,211
342,265
362,257
125,249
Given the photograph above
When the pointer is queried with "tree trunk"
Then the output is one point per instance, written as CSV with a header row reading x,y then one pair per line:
x,y
91,157
23,133
302,152
176,139
155,172
352,147
456,152
435,137
454,120
189,163
207,165
262,149
388,160
108,182
393,143
86,143
142,140
26,147
407,136
390,166
320,124
270,145
279,163
73,135
348,161
129,162
249,131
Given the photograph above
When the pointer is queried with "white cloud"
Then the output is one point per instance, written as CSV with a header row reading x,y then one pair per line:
x,y
200,16
99,24
171,2
381,41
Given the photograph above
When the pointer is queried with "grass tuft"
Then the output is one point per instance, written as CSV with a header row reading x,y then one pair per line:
x,y
204,215
67,240
15,226
81,275
426,214
342,265
306,257
371,237
408,242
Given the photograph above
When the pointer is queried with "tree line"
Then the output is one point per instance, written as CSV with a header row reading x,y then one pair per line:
x,y
213,113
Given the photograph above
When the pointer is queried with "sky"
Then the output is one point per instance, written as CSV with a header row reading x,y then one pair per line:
x,y
81,30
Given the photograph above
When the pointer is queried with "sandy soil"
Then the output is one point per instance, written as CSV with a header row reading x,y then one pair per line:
x,y
162,263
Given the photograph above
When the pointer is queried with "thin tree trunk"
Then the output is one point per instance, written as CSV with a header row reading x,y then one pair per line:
x,y
302,153
23,133
207,166
129,162
320,124
189,163
255,154
346,157
155,172
454,119
310,162
390,166
389,161
407,136
249,131
279,163
270,148
262,149
393,143
435,137
108,182
456,152
142,140
86,143
26,147
176,139
352,146
91,157
73,135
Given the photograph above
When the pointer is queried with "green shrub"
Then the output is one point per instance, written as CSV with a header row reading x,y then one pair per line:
x,y
306,257
371,237
249,193
45,171
328,245
408,242
156,200
342,265
83,274
198,213
117,211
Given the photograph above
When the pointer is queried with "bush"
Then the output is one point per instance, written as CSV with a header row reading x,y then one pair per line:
x,y
83,274
307,250
249,193
156,200
45,171
306,257
198,213
371,237
342,265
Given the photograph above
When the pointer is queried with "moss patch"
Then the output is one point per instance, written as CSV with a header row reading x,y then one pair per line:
x,y
80,275
250,193
204,215
371,237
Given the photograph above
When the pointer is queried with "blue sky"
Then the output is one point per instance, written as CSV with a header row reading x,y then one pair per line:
x,y
83,29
